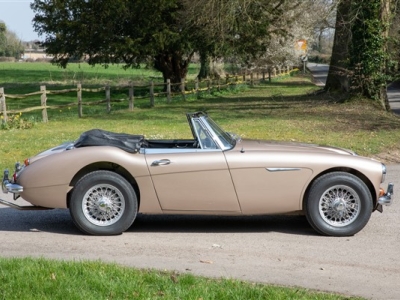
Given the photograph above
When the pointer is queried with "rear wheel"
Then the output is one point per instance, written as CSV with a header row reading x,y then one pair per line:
x,y
338,204
103,203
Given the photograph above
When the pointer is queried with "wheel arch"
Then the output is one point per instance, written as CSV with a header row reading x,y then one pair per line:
x,y
107,166
354,172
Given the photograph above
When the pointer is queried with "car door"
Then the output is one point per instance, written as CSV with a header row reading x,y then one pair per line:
x,y
192,180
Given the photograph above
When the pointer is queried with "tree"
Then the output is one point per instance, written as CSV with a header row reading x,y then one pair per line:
x,y
3,40
114,31
261,33
338,74
240,28
10,45
165,33
360,57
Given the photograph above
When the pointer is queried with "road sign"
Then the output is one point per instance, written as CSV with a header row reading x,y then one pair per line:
x,y
301,45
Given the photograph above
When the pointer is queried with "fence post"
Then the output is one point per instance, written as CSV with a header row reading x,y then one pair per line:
x,y
79,96
209,85
131,96
269,75
183,88
43,100
169,90
196,87
152,93
108,98
244,76
251,79
3,104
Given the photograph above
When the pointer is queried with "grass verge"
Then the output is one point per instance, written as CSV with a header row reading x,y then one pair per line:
x,y
47,279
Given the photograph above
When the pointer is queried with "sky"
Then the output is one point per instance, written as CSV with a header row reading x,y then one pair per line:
x,y
18,15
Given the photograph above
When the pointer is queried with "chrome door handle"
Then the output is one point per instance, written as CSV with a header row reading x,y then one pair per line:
x,y
161,162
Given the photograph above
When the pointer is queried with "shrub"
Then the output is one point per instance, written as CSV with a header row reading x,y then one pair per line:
x,y
7,59
15,121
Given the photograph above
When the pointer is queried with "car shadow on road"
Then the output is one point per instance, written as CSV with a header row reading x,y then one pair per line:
x,y
54,221
288,224
59,221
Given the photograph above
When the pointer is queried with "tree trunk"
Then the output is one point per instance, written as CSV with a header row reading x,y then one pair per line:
x,y
205,62
338,74
368,54
359,55
173,66
386,16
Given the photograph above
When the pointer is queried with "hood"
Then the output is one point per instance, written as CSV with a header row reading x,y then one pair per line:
x,y
276,146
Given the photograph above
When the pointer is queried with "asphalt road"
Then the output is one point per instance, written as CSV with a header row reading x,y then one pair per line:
x,y
319,72
281,250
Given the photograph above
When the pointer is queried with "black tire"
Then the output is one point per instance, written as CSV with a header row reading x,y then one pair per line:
x,y
103,203
338,204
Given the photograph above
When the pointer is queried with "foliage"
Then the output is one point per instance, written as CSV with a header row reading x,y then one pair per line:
x,y
167,33
261,33
10,45
113,31
368,51
360,59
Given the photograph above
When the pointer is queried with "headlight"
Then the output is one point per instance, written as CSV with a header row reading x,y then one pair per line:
x,y
383,172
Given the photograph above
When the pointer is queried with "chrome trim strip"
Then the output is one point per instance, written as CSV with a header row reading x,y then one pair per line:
x,y
175,150
282,169
383,173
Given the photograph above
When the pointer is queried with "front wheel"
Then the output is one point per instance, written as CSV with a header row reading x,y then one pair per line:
x,y
103,203
338,204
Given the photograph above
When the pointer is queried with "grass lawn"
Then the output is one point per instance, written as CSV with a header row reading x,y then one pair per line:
x,y
285,109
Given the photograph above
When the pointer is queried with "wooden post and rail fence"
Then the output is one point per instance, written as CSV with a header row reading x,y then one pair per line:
x,y
247,78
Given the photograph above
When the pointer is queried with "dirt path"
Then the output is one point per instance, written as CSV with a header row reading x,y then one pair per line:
x,y
278,250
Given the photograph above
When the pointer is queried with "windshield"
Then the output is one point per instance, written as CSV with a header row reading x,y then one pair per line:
x,y
227,140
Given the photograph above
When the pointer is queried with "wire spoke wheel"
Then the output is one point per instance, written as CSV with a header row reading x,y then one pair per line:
x,y
339,205
103,205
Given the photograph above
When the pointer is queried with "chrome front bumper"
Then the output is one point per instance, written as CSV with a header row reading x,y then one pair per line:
x,y
386,199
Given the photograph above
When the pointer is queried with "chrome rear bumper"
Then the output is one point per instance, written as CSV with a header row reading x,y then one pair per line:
x,y
9,187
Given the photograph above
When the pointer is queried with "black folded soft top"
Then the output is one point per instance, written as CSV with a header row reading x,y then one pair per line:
x,y
98,137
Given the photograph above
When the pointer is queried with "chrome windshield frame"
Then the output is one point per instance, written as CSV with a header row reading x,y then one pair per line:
x,y
223,139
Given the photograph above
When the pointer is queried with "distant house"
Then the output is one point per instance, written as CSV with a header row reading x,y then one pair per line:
x,y
35,54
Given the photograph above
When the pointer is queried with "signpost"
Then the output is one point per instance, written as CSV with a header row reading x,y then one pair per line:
x,y
301,45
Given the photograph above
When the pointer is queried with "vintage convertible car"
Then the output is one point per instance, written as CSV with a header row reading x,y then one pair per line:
x,y
106,178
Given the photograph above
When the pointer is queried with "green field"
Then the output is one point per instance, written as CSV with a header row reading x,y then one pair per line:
x,y
23,73
285,109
